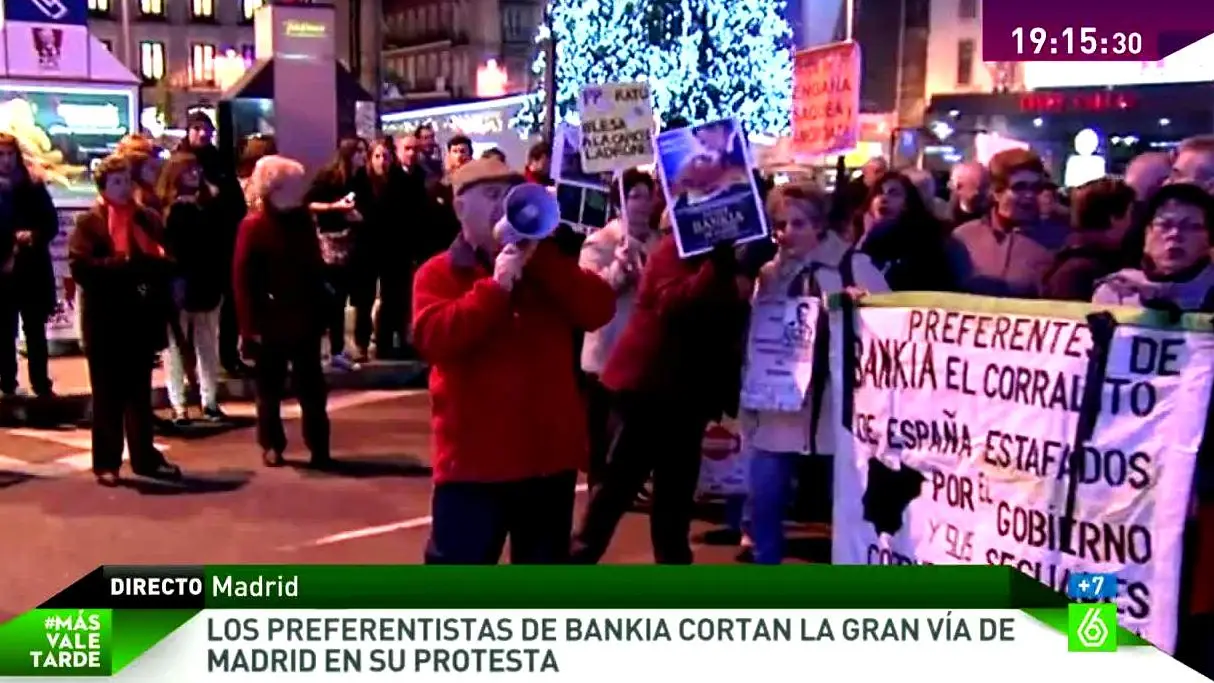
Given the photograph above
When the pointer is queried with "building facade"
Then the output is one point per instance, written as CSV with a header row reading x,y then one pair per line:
x,y
435,49
978,107
176,47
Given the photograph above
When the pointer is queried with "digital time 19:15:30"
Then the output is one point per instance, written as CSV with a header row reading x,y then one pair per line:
x,y
1072,41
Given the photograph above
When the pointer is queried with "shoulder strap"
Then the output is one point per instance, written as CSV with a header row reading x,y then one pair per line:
x,y
847,268
805,283
819,381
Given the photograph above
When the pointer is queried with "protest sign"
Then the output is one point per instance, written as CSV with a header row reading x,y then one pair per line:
x,y
780,352
617,126
567,160
964,414
826,99
724,468
710,187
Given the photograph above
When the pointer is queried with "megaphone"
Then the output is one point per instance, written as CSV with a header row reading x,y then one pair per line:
x,y
532,213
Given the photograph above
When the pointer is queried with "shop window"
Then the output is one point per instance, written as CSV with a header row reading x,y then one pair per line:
x,y
202,64
151,60
152,8
249,8
965,62
202,9
968,9
99,8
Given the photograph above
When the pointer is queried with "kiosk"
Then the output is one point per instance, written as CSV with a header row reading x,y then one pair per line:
x,y
68,101
296,91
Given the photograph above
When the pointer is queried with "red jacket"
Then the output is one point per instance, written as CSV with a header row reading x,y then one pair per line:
x,y
278,278
683,344
505,403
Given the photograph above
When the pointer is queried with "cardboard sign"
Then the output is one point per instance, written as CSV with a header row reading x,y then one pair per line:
x,y
617,126
826,99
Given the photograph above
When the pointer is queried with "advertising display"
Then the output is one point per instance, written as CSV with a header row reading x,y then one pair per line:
x,y
65,130
1193,64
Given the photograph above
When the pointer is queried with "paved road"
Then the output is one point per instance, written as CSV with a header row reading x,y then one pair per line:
x,y
58,524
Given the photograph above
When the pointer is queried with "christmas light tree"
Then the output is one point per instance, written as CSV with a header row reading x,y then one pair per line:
x,y
704,59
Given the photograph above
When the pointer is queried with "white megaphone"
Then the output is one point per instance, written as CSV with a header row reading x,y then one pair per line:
x,y
532,214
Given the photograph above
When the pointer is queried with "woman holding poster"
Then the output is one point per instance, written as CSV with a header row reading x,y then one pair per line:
x,y
785,410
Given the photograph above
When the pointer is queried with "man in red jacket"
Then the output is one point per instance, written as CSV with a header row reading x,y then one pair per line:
x,y
675,368
497,328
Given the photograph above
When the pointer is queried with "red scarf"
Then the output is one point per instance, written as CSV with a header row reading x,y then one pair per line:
x,y
127,236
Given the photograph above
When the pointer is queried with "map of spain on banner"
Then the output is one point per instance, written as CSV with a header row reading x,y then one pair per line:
x,y
826,99
964,414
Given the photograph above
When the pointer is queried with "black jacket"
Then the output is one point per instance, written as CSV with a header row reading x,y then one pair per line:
x,y
33,273
201,259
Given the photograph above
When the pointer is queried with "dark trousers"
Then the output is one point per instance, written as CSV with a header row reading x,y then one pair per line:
x,y
33,324
599,425
340,281
229,333
473,520
121,379
392,326
302,359
650,438
364,283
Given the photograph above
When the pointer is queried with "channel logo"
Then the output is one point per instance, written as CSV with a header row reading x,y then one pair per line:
x,y
1092,628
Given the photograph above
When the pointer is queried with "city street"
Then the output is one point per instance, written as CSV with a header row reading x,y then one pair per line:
x,y
58,524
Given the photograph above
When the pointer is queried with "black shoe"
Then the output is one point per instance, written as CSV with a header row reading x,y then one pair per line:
x,y
272,458
746,556
181,418
44,391
723,536
107,479
214,414
321,461
165,471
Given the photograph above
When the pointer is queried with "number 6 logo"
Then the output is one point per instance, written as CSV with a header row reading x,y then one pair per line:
x,y
53,9
1092,631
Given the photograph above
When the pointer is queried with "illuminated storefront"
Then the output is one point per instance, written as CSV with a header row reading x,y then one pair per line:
x,y
1126,120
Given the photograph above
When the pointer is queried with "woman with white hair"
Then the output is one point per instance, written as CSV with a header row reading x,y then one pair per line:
x,y
279,285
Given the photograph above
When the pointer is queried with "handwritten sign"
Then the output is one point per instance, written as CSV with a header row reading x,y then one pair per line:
x,y
962,444
826,99
617,126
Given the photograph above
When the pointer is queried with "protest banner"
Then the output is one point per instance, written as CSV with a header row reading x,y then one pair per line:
x,y
826,99
710,186
617,126
780,349
967,438
567,160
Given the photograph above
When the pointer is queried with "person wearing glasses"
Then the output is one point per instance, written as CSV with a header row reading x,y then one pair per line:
x,y
1176,274
1008,251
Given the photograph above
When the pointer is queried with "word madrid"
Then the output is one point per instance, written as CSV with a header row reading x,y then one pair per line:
x,y
225,586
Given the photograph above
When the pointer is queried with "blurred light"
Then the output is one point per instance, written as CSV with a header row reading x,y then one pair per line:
x,y
1165,122
954,113
491,80
1038,122
1087,141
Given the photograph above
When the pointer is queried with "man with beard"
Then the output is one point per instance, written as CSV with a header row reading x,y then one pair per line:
x,y
220,173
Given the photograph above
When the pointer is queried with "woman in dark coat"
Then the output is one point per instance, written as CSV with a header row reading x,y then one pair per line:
x,y
120,267
28,224
905,241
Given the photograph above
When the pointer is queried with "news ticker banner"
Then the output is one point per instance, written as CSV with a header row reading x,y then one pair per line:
x,y
713,623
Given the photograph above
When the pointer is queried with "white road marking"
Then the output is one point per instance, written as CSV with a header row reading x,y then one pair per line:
x,y
379,530
80,441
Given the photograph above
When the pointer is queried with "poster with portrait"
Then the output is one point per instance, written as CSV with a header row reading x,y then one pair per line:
x,y
708,178
567,160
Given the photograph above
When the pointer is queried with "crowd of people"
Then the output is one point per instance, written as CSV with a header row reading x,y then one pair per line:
x,y
608,354
661,338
